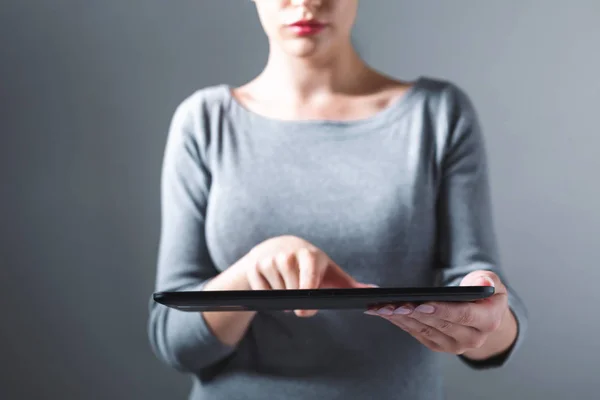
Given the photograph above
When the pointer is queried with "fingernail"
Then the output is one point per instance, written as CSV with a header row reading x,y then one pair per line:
x,y
385,311
370,312
425,309
488,280
373,285
402,310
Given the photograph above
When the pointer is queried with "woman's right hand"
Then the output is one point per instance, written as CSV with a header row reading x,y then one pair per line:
x,y
289,262
283,262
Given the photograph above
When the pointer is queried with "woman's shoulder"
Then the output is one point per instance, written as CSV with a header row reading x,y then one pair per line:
x,y
204,101
452,113
196,113
447,95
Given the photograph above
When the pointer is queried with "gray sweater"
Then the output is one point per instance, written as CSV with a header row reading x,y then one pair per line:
x,y
397,199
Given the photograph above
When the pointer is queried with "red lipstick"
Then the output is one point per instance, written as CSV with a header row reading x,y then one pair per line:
x,y
307,27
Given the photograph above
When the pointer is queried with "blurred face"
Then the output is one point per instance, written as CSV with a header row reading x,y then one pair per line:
x,y
304,28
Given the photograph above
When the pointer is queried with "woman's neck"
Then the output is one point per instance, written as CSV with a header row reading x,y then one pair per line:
x,y
304,78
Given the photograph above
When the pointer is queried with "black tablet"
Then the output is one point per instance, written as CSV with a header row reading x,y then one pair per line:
x,y
315,299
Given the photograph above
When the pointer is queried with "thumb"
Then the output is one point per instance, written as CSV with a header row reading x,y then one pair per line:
x,y
483,278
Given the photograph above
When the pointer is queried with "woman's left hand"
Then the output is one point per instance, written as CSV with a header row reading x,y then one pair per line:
x,y
450,327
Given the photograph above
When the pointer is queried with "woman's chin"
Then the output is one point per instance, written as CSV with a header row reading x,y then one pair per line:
x,y
306,49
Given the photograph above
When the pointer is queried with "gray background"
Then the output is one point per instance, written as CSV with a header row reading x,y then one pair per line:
x,y
87,90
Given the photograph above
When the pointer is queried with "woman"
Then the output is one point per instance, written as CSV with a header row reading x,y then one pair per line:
x,y
322,172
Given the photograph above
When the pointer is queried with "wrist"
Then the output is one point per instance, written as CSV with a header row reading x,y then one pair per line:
x,y
233,278
499,341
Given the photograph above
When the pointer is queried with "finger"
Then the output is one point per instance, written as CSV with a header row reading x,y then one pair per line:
x,y
457,313
336,277
270,272
310,267
359,285
421,339
428,343
465,336
288,269
483,316
390,309
256,280
425,333
484,278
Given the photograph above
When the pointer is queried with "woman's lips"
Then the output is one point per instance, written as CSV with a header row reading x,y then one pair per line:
x,y
306,28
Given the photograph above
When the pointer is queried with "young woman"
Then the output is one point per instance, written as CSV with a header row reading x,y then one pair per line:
x,y
322,172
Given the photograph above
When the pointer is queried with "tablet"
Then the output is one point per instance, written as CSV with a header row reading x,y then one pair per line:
x,y
316,299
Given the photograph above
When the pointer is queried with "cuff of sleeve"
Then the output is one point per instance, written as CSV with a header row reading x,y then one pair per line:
x,y
185,340
516,306
199,345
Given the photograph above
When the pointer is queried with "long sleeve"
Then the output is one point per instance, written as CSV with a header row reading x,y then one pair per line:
x,y
466,234
183,340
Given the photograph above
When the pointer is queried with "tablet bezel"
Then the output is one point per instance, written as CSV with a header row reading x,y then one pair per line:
x,y
316,299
